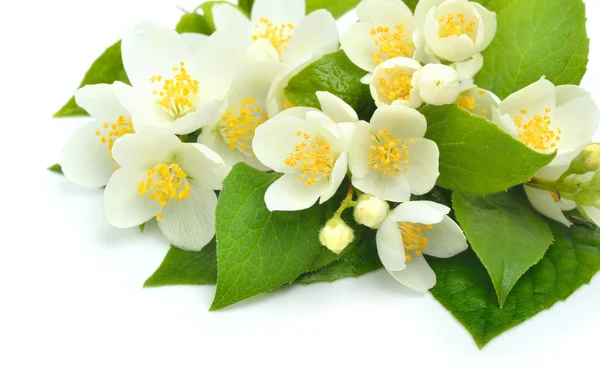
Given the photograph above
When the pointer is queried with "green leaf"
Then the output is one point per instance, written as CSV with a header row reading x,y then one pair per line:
x,y
259,251
507,234
207,10
536,38
464,287
56,168
186,268
337,8
476,156
333,73
246,5
193,22
107,69
412,4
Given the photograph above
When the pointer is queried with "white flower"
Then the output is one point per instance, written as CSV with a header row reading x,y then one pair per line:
x,y
384,31
164,178
370,211
437,84
86,159
411,230
174,87
390,159
392,83
231,131
548,118
478,102
310,149
336,235
455,30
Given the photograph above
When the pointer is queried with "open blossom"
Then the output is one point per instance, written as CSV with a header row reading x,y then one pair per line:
x,y
478,101
411,230
455,30
87,158
310,149
390,159
164,178
175,87
549,118
392,83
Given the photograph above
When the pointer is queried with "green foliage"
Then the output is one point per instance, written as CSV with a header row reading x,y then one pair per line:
x,y
107,69
535,38
412,4
246,5
464,287
56,168
186,268
337,8
193,22
507,234
476,156
336,74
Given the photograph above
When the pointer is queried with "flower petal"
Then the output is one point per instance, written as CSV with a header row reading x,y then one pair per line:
x,y
568,93
195,42
489,21
468,69
445,240
359,150
578,120
289,193
279,12
336,108
543,202
228,17
423,166
386,187
337,177
535,98
388,13
203,165
417,275
145,149
317,33
195,120
276,100
146,113
101,102
423,8
420,212
401,121
359,45
593,213
390,247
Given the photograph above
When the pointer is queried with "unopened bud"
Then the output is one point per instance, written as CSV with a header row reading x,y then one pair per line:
x,y
370,211
437,84
588,160
336,235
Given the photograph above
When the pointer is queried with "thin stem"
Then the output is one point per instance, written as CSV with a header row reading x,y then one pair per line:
x,y
346,203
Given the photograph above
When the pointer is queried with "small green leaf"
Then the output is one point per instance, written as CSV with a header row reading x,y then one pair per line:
x,y
336,74
193,22
186,268
56,168
207,10
246,5
259,251
535,38
464,287
476,156
412,4
507,234
107,69
337,8
142,227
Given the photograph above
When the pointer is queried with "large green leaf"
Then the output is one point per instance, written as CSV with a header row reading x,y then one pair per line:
x,y
193,22
333,73
464,287
186,268
107,69
507,234
337,8
536,38
476,156
259,250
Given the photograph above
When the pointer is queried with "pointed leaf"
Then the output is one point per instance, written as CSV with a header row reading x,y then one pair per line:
x,y
56,168
193,22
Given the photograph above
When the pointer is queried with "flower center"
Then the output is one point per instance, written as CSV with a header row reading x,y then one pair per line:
x,y
388,154
279,35
391,45
237,128
111,132
165,182
466,102
396,85
313,157
413,238
177,95
536,132
455,24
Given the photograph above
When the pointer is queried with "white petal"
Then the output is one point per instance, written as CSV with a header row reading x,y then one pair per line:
x,y
437,84
337,177
279,12
276,100
189,224
533,98
289,193
228,17
262,50
543,202
452,48
213,140
423,166
382,73
489,23
417,275
578,121
423,8
359,150
124,207
146,149
420,212
347,130
146,113
255,80
468,69
101,102
594,214
195,120
504,122
317,33
568,93
386,187
194,41
390,247
85,160
484,101
359,45
321,125
401,121
203,165
336,108
387,13
446,239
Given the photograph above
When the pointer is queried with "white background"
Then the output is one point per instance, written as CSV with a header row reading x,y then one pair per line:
x,y
73,312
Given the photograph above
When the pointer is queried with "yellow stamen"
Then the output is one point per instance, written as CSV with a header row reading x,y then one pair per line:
x,y
237,128
413,238
536,132
396,85
278,35
466,102
555,197
313,157
456,25
177,95
388,155
164,183
111,132
392,45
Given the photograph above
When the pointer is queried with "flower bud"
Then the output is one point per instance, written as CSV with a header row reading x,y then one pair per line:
x,y
588,160
437,84
370,211
336,235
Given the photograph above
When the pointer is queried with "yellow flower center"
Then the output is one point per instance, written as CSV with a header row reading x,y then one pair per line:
x,y
237,128
391,44
396,85
536,132
177,95
314,158
388,154
279,35
165,182
456,25
111,132
413,238
466,102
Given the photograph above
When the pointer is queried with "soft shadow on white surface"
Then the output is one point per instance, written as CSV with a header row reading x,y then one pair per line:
x,y
74,313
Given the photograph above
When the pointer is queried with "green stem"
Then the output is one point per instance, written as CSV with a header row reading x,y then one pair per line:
x,y
543,184
346,203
